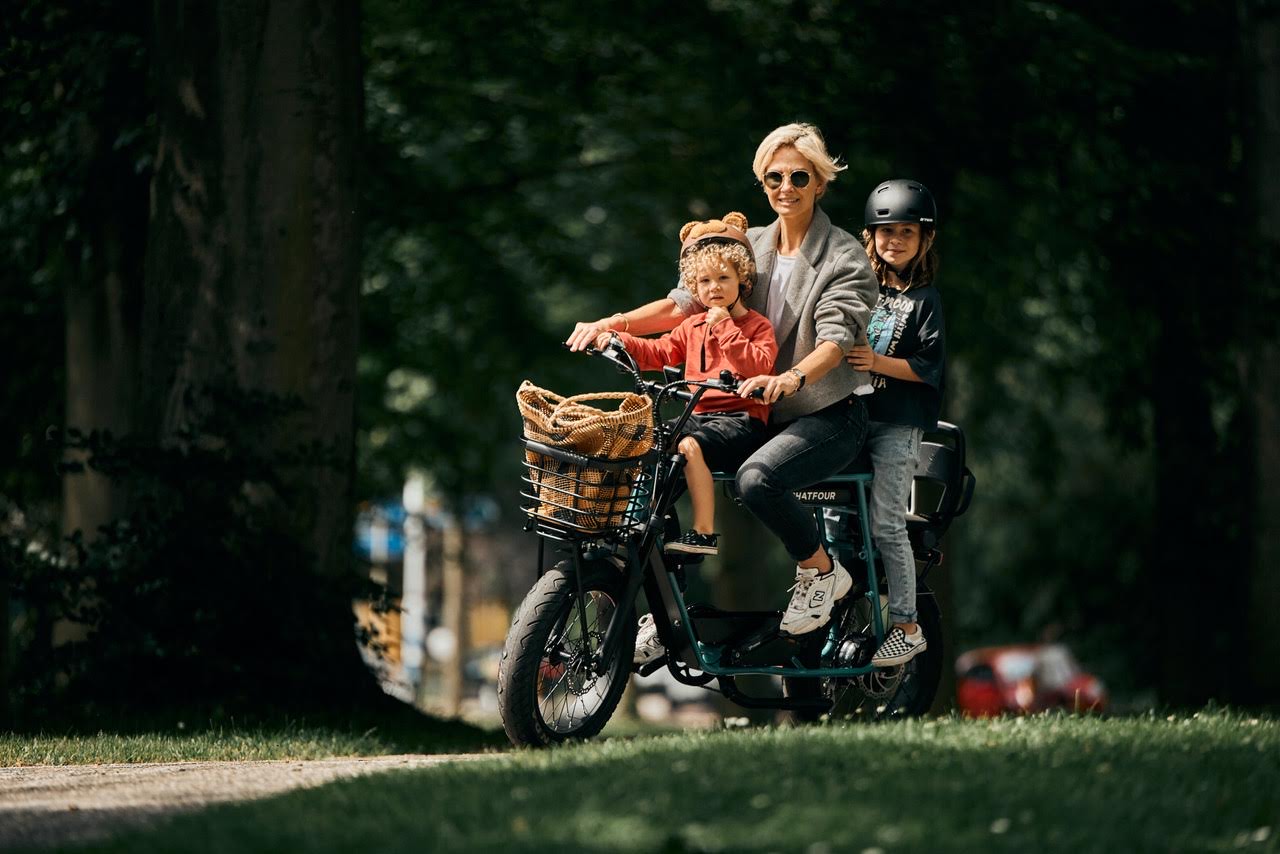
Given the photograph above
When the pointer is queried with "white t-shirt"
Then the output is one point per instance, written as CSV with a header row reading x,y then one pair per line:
x,y
782,267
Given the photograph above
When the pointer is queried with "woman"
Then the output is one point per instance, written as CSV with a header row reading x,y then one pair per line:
x,y
819,296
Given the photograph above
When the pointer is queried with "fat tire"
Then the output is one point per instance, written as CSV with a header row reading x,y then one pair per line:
x,y
554,596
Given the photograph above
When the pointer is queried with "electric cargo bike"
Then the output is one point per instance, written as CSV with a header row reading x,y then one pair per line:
x,y
568,654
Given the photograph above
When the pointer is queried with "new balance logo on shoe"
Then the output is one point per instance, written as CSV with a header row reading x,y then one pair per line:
x,y
812,598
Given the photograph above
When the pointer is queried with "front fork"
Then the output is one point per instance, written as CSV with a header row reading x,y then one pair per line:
x,y
643,565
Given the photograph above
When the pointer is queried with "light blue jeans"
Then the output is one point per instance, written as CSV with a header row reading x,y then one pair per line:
x,y
894,450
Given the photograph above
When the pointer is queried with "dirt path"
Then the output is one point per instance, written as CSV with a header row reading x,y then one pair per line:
x,y
52,805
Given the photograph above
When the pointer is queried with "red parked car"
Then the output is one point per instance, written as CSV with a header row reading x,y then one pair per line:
x,y
1023,679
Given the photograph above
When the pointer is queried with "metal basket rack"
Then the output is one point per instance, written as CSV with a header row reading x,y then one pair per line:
x,y
576,494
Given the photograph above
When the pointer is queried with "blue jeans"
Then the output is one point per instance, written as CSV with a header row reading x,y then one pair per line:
x,y
800,453
894,449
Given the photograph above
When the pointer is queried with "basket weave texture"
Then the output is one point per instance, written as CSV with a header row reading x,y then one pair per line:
x,y
587,496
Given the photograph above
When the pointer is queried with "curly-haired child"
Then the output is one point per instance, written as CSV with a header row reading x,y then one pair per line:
x,y
718,267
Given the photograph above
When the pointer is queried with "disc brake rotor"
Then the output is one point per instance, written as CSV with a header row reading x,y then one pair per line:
x,y
880,684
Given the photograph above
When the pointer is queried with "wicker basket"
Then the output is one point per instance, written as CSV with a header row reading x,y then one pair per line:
x,y
583,463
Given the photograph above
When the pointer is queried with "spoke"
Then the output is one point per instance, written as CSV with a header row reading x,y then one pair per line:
x,y
577,693
564,633
563,676
547,703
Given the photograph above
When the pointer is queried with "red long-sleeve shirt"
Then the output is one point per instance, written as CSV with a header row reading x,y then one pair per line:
x,y
744,345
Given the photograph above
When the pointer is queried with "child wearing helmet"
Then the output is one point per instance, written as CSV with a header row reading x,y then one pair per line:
x,y
906,355
718,267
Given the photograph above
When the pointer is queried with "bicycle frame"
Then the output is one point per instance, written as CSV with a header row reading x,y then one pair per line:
x,y
635,551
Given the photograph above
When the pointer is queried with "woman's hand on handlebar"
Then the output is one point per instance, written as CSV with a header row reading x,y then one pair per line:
x,y
603,339
774,387
585,335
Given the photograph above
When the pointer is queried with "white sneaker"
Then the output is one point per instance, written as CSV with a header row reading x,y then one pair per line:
x,y
648,647
813,597
898,647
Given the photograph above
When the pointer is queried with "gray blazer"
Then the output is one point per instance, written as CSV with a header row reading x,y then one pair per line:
x,y
830,297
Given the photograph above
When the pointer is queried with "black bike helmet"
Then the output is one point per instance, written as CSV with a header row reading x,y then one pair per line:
x,y
900,200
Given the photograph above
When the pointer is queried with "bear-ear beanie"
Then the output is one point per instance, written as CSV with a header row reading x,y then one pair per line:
x,y
731,227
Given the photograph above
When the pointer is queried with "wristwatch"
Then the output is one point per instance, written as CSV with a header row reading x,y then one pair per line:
x,y
800,374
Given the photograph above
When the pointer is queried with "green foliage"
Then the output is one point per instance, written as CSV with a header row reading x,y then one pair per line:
x,y
201,596
528,166
529,170
76,142
1050,783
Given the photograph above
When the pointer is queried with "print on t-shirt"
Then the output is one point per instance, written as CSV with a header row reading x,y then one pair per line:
x,y
908,325
885,330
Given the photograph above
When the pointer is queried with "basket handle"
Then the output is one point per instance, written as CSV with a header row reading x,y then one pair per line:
x,y
572,407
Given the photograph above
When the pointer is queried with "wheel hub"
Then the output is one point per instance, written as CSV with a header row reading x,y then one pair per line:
x,y
582,677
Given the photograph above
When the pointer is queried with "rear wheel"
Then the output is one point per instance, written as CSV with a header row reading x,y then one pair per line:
x,y
904,691
549,690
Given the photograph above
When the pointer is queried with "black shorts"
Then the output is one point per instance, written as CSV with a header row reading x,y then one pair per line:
x,y
726,438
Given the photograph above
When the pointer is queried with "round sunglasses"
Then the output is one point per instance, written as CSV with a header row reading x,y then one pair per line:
x,y
799,179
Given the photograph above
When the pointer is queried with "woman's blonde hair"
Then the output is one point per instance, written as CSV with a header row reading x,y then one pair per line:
x,y
922,268
717,254
807,140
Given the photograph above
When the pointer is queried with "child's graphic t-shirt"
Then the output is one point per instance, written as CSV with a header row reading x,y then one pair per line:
x,y
908,325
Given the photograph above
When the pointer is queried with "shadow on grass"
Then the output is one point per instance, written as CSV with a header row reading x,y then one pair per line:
x,y
1042,784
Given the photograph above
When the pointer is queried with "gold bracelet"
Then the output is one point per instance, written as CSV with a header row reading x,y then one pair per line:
x,y
625,320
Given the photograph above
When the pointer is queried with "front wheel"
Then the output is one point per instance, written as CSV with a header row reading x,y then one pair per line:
x,y
549,690
904,691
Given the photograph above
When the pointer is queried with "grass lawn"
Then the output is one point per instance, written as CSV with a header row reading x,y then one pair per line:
x,y
1205,783
179,741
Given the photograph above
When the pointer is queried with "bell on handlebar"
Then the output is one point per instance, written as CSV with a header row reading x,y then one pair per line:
x,y
728,379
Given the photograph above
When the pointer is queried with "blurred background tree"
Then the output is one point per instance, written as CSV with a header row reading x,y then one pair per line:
x,y
1104,193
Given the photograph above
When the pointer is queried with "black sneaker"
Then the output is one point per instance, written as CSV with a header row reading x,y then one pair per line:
x,y
693,543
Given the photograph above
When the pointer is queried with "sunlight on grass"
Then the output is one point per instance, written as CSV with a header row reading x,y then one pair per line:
x,y
1044,783
180,743
168,747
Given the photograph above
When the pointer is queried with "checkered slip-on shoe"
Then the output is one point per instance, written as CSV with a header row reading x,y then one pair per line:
x,y
812,597
898,647
693,543
648,647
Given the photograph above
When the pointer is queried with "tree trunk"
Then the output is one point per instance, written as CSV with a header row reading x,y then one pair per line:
x,y
253,257
254,254
102,320
102,309
1263,376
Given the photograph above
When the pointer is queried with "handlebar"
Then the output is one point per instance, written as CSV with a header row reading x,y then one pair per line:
x,y
617,354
